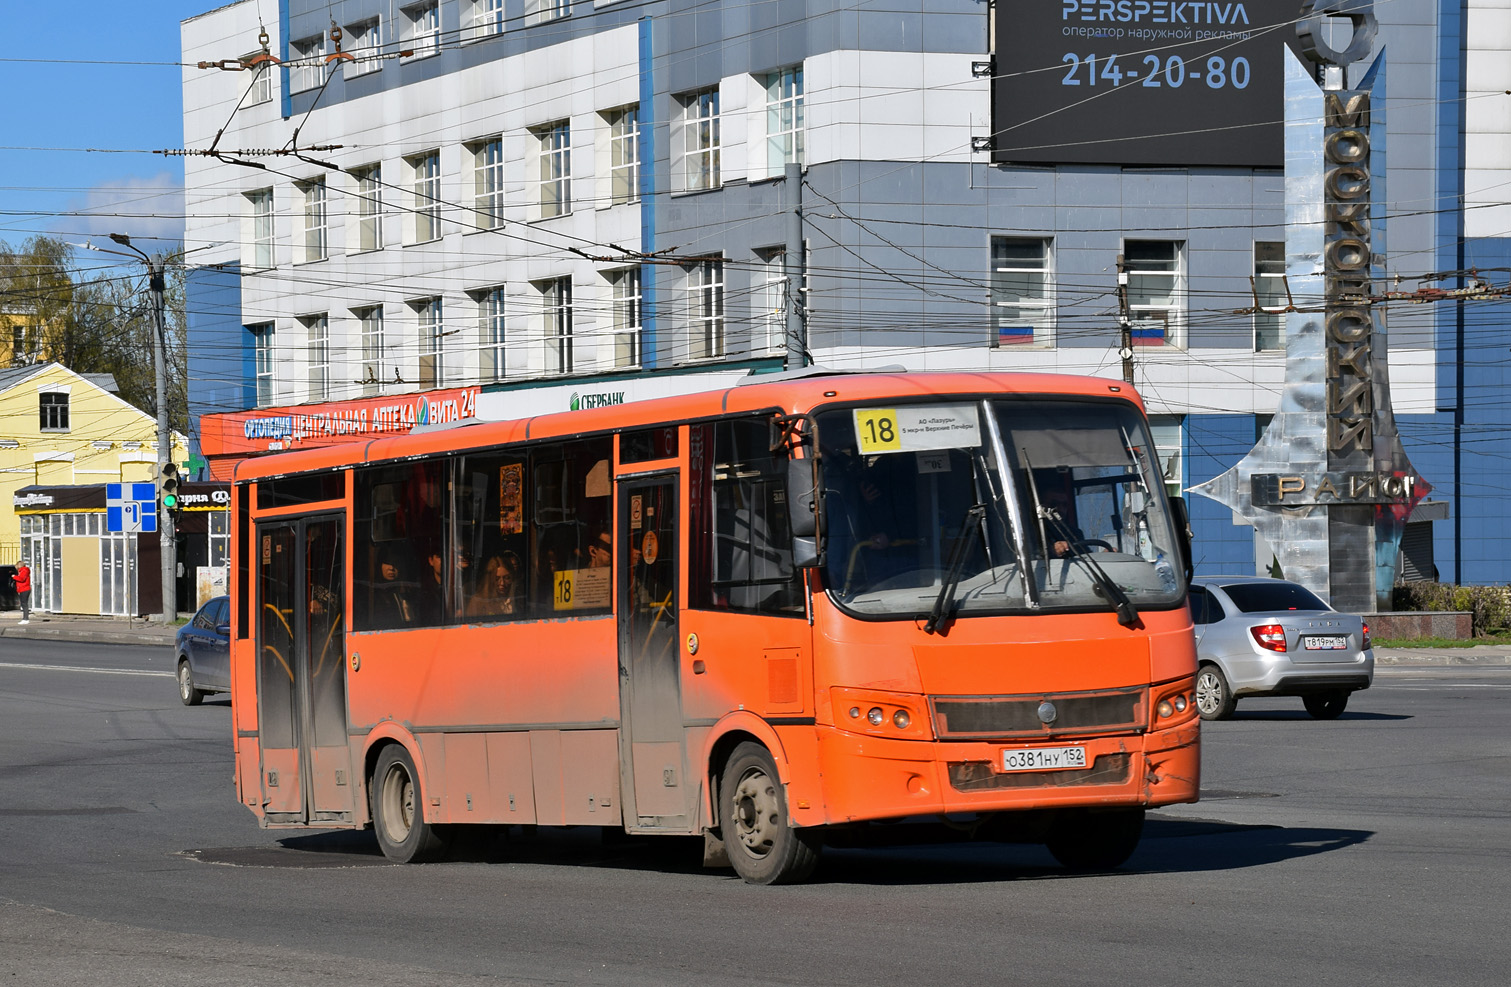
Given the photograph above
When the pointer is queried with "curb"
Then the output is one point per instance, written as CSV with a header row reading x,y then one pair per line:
x,y
80,636
1441,660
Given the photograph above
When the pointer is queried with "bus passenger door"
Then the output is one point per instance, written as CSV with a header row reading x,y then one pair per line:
x,y
301,670
653,760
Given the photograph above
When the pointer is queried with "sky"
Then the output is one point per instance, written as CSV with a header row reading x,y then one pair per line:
x,y
94,74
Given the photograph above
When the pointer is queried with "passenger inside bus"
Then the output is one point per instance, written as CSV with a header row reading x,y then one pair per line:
x,y
497,596
392,602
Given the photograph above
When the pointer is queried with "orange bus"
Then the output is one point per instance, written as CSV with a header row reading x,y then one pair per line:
x,y
770,615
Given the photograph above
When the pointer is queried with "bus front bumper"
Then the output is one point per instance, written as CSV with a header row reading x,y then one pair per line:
x,y
870,778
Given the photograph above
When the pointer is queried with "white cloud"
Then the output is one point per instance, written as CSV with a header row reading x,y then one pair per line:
x,y
149,209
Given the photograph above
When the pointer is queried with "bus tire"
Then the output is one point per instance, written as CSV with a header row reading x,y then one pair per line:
x,y
762,847
187,693
398,810
1096,841
1214,697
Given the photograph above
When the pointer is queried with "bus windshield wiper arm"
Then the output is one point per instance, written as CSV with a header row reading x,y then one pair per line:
x,y
1102,583
970,530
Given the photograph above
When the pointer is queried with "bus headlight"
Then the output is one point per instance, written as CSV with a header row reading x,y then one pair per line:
x,y
900,716
1172,704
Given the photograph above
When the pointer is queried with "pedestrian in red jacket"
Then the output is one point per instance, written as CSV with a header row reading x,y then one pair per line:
x,y
23,590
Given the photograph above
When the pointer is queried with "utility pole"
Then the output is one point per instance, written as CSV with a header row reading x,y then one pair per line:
x,y
796,264
1125,321
167,542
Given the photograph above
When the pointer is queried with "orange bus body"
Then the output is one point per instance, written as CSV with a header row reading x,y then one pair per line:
x,y
527,721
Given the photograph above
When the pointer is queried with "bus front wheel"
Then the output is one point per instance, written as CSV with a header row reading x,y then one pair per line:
x,y
762,847
1096,841
398,810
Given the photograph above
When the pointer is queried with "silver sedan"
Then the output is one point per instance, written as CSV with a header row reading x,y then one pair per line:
x,y
1269,637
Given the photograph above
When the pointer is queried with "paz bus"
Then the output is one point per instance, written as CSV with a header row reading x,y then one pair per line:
x,y
773,615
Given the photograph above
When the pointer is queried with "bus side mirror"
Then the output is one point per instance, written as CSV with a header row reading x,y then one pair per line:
x,y
802,512
1182,522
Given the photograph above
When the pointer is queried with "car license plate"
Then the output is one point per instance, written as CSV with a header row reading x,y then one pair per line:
x,y
1325,643
1044,758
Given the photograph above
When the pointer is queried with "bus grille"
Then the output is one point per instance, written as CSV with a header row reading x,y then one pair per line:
x,y
978,776
993,717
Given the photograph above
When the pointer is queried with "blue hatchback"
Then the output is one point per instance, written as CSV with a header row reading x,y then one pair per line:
x,y
202,652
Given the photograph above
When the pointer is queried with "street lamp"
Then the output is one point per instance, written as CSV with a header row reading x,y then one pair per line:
x,y
166,541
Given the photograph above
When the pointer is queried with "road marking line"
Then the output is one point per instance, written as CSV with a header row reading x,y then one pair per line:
x,y
82,668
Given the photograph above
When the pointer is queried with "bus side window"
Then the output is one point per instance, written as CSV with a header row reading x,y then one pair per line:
x,y
400,524
569,513
490,503
749,567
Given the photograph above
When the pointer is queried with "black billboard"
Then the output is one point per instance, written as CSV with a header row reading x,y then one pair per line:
x,y
1150,82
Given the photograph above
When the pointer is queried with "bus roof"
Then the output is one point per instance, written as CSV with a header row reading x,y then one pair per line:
x,y
789,393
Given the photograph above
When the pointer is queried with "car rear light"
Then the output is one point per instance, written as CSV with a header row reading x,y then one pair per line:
x,y
1365,645
1271,637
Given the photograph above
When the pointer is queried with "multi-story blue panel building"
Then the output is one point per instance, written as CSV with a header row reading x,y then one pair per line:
x,y
559,202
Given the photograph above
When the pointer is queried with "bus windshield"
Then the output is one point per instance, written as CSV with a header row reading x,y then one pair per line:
x,y
1017,505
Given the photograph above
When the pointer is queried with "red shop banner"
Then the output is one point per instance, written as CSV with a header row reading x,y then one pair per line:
x,y
262,430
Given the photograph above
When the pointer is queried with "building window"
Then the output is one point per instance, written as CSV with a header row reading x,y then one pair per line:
x,y
1023,305
556,305
1166,431
425,176
488,183
784,119
362,43
422,29
307,67
374,368
1156,290
369,207
262,340
705,302
624,154
260,217
768,322
261,90
312,206
54,411
318,355
540,11
26,345
555,169
699,145
1269,295
490,330
627,316
482,19
432,342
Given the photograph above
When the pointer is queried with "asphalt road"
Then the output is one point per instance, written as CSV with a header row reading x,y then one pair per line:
x,y
1368,850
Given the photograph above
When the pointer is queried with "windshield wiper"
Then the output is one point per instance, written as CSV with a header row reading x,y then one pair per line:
x,y
1102,583
969,532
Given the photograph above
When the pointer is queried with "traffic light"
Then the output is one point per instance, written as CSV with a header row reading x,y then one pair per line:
x,y
169,485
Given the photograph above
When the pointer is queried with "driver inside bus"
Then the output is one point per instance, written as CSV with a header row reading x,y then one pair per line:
x,y
1054,495
866,515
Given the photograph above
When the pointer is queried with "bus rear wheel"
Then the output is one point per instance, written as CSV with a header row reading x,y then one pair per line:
x,y
398,810
762,847
1096,841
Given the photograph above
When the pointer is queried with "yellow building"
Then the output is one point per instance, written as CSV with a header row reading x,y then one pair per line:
x,y
63,437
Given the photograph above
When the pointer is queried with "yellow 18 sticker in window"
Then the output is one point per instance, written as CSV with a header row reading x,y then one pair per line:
x,y
877,430
563,585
